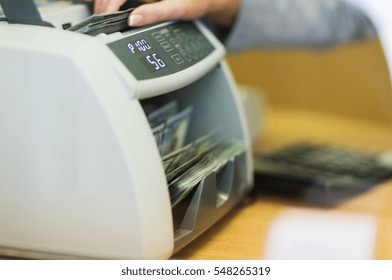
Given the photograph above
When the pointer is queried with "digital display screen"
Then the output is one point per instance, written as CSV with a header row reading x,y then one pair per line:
x,y
150,59
162,51
139,46
153,62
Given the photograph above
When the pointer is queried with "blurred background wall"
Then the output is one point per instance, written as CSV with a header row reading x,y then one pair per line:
x,y
350,80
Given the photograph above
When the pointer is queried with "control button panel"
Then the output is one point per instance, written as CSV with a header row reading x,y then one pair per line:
x,y
163,50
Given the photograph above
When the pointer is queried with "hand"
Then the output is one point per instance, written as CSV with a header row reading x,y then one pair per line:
x,y
107,6
221,12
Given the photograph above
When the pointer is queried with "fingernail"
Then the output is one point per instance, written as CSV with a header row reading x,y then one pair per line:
x,y
135,20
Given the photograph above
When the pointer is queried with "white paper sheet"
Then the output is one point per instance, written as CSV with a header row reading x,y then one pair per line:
x,y
379,12
321,235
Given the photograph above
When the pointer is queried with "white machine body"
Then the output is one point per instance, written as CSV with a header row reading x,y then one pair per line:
x,y
80,173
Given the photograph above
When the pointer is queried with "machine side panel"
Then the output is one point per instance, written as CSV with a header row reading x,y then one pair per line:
x,y
80,174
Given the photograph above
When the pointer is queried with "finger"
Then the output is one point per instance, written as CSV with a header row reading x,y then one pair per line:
x,y
164,11
107,6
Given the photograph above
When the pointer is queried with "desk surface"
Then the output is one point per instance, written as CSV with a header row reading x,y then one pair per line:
x,y
242,233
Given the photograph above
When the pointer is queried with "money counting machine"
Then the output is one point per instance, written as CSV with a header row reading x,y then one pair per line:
x,y
126,145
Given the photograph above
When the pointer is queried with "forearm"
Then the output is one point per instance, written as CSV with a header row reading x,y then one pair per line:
x,y
296,23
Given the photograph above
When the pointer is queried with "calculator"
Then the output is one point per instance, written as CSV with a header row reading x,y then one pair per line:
x,y
321,173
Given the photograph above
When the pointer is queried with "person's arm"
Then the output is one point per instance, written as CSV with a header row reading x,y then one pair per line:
x,y
297,23
222,12
266,23
153,11
107,6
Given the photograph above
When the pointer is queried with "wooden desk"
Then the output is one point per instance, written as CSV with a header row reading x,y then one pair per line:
x,y
242,233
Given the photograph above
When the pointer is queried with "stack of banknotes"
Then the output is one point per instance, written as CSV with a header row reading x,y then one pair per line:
x,y
187,164
105,23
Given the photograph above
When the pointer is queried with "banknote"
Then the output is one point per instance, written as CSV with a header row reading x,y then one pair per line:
x,y
103,23
175,132
181,158
212,162
162,113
